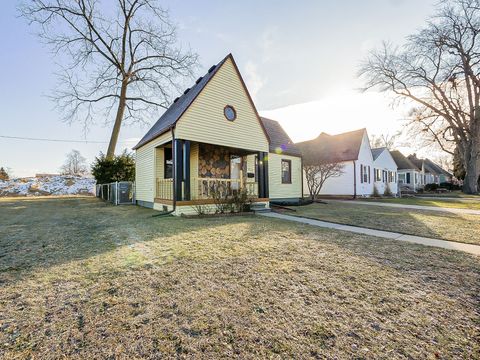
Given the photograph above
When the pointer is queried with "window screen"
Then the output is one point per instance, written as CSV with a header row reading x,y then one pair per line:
x,y
286,171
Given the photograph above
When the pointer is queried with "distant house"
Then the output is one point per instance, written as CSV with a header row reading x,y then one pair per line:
x,y
409,174
384,171
431,172
211,139
352,150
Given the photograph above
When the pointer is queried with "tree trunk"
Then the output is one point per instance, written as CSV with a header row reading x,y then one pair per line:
x,y
118,120
472,168
472,156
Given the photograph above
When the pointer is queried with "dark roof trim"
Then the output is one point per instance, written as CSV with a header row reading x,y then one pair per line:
x,y
215,68
210,74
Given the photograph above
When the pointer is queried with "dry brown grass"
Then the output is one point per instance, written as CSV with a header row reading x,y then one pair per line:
x,y
86,280
463,228
459,203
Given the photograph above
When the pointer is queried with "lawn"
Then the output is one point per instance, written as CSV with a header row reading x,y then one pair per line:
x,y
460,203
434,224
82,279
452,194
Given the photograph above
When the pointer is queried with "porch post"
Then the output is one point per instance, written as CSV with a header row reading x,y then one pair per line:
x,y
186,169
263,175
261,183
178,168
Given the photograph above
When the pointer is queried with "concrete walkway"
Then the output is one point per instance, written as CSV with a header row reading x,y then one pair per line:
x,y
415,207
461,199
451,245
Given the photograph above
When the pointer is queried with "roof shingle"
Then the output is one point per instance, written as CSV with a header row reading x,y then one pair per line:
x,y
403,163
377,151
327,148
280,142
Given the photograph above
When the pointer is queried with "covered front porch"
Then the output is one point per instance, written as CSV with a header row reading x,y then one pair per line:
x,y
191,173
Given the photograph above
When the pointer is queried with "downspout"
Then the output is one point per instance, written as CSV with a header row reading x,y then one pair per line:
x,y
301,178
173,182
354,179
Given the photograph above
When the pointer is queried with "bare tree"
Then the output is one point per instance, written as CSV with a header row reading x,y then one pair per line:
x,y
438,69
120,55
384,140
75,164
316,175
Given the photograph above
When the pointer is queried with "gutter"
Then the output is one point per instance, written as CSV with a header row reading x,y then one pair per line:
x,y
354,179
301,177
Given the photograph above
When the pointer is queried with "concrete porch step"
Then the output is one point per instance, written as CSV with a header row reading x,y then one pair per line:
x,y
260,208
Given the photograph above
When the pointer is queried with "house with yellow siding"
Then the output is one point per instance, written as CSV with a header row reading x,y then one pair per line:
x,y
210,139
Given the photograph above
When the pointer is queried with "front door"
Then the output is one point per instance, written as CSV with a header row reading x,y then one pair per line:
x,y
235,171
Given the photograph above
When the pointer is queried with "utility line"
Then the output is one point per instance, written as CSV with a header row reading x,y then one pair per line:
x,y
54,140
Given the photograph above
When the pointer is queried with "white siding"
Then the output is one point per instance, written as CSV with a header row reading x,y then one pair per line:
x,y
344,184
341,185
277,190
385,162
365,158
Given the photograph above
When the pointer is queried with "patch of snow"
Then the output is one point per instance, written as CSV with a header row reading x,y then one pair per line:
x,y
48,185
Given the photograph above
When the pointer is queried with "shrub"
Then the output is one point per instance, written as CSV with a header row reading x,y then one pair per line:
x,y
387,191
227,201
223,203
375,193
241,201
450,186
119,168
430,187
200,209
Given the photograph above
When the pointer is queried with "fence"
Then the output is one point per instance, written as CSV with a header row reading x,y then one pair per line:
x,y
118,193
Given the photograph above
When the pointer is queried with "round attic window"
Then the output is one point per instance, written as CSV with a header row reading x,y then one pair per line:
x,y
229,112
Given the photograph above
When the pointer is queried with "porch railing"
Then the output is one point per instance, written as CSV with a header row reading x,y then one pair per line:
x,y
206,188
164,189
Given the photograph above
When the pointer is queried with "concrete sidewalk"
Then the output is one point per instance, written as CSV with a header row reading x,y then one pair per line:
x,y
451,245
415,207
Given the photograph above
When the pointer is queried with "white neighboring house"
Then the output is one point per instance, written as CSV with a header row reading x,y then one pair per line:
x,y
352,150
384,171
409,175
431,172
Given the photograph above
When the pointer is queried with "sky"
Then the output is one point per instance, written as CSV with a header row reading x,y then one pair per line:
x,y
299,61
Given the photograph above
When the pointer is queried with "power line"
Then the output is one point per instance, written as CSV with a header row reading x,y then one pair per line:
x,y
54,140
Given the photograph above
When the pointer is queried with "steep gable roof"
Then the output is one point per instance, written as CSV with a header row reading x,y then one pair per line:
x,y
280,142
403,163
377,151
327,148
436,169
179,106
